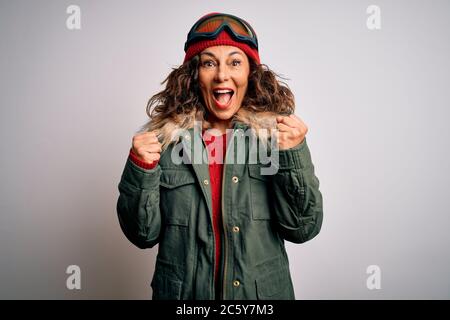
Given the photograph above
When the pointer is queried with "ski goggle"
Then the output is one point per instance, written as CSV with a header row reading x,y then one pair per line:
x,y
209,27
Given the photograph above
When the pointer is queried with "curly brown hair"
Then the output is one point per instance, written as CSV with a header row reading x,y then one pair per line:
x,y
182,93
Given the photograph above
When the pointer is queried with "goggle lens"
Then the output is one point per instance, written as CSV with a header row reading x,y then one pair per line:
x,y
212,24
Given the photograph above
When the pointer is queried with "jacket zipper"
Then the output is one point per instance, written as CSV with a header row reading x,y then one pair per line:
x,y
224,230
224,275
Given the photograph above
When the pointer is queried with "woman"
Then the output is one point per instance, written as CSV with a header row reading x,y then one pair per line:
x,y
220,223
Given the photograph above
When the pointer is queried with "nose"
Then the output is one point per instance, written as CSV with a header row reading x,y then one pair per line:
x,y
222,73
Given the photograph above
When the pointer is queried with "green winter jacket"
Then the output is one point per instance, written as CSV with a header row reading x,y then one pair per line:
x,y
171,205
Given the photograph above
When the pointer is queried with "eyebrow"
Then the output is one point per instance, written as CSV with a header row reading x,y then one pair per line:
x,y
212,55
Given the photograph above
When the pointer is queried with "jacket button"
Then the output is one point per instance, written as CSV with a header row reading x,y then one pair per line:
x,y
205,182
187,137
236,229
235,179
236,283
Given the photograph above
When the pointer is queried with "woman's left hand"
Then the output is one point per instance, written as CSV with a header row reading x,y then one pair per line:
x,y
291,131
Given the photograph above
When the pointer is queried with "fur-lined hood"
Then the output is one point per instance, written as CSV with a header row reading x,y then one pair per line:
x,y
261,122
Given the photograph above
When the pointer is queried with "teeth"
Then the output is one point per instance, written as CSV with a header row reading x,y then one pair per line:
x,y
223,91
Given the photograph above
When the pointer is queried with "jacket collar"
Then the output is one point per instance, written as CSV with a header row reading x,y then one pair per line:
x,y
260,122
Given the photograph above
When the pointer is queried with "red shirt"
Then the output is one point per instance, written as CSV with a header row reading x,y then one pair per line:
x,y
216,146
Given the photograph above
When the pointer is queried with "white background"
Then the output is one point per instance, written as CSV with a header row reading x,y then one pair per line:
x,y
376,103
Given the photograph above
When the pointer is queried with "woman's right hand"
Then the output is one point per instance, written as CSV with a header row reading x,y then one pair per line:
x,y
146,146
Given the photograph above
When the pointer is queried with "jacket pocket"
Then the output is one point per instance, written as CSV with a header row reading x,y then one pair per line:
x,y
259,193
274,286
164,284
176,192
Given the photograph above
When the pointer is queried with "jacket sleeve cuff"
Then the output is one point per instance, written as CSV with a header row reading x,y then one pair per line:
x,y
140,178
142,164
297,157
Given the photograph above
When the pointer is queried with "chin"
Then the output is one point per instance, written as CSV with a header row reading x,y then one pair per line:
x,y
224,114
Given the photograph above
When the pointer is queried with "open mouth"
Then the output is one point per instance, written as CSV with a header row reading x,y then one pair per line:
x,y
223,97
